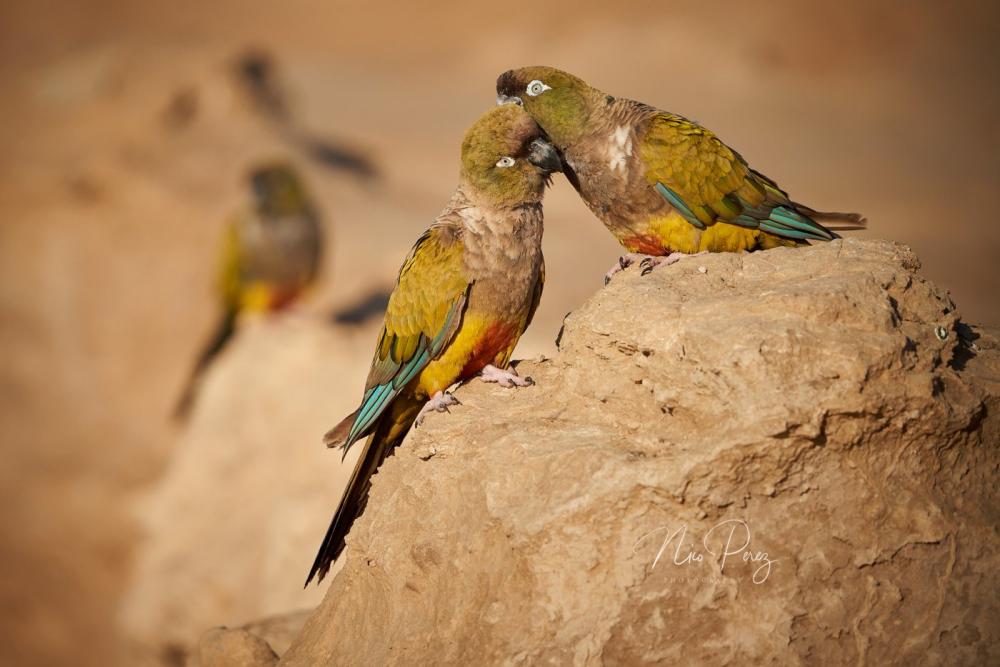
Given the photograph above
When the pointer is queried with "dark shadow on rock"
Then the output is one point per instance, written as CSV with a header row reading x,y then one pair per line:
x,y
967,348
256,74
370,306
338,157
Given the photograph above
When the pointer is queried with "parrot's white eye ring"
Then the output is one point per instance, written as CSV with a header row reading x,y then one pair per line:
x,y
505,162
536,88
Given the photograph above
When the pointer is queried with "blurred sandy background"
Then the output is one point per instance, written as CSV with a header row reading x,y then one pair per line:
x,y
123,145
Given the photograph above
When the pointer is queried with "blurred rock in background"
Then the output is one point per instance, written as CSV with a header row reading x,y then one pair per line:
x,y
247,491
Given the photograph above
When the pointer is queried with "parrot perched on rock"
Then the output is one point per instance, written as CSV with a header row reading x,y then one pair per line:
x,y
464,295
270,254
662,184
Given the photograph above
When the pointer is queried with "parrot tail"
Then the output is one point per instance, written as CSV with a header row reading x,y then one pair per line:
x,y
337,436
223,332
389,431
836,222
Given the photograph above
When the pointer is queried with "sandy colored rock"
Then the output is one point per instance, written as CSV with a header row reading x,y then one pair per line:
x,y
256,644
279,631
221,647
822,407
231,529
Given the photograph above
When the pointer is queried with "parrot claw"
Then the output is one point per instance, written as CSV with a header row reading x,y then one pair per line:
x,y
623,263
504,378
650,263
646,262
439,402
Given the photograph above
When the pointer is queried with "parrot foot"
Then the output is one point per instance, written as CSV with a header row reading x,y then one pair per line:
x,y
625,261
439,402
504,378
650,263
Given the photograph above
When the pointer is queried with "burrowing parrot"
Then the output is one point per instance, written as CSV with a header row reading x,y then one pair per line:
x,y
662,184
464,295
270,255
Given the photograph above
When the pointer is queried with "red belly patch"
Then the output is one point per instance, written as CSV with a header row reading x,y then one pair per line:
x,y
494,340
645,244
281,298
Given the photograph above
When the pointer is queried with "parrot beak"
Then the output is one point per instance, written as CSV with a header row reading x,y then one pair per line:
x,y
505,99
545,156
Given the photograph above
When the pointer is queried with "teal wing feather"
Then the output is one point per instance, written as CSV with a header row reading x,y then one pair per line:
x,y
677,202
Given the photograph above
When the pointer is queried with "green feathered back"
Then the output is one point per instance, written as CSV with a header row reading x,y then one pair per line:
x,y
708,182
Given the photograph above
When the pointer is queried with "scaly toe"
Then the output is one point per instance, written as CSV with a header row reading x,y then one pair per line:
x,y
504,378
623,263
438,403
618,267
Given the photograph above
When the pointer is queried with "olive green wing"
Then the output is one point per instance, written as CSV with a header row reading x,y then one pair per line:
x,y
706,182
424,312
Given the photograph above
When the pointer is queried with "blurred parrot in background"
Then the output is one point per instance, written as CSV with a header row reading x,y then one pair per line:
x,y
662,184
464,295
271,253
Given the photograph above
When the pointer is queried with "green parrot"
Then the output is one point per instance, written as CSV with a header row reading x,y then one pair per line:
x,y
270,255
464,295
663,185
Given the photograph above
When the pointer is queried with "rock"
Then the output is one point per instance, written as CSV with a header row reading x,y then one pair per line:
x,y
258,643
221,647
279,631
233,526
787,459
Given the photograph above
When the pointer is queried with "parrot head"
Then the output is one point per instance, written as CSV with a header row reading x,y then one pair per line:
x,y
557,100
277,190
506,158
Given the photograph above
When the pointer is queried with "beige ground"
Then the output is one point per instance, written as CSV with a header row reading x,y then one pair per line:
x,y
111,212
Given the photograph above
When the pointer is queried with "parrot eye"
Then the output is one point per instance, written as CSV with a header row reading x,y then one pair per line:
x,y
536,88
505,162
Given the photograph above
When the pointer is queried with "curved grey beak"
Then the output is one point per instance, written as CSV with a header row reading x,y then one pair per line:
x,y
505,99
544,155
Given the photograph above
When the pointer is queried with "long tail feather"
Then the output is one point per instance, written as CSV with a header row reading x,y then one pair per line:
x,y
389,431
337,436
223,333
788,222
834,221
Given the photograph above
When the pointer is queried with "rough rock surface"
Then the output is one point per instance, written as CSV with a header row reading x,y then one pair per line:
x,y
221,647
821,412
254,645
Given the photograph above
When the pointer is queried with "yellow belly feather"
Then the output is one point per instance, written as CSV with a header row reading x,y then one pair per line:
x,y
675,234
481,340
